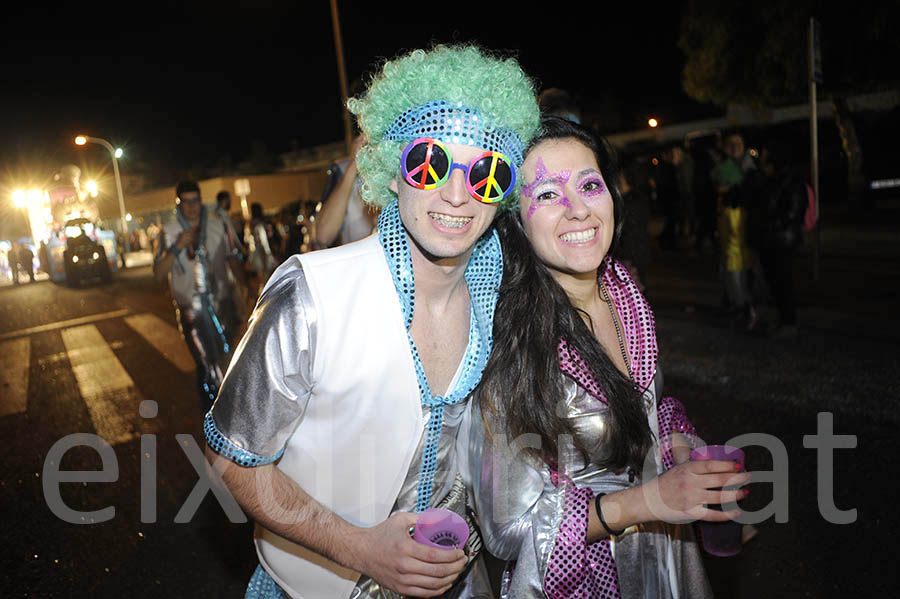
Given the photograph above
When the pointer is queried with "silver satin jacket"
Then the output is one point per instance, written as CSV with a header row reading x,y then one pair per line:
x,y
523,507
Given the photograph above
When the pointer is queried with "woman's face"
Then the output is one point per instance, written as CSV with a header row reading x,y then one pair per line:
x,y
566,207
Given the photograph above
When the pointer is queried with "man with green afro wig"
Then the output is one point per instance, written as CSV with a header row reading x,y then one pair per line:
x,y
339,415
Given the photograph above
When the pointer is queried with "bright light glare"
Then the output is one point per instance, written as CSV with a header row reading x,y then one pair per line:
x,y
18,198
128,217
119,152
653,122
35,196
80,140
74,259
91,187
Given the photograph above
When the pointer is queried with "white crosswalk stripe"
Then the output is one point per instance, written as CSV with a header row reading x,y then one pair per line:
x,y
103,382
164,337
14,375
107,389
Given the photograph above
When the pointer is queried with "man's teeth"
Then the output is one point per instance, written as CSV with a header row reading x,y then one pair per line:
x,y
454,222
579,236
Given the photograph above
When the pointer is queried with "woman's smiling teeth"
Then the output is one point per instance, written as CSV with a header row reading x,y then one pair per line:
x,y
579,236
453,222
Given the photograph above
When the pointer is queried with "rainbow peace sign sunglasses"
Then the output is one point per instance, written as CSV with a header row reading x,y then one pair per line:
x,y
426,163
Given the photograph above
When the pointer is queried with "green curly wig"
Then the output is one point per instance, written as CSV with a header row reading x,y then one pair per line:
x,y
496,88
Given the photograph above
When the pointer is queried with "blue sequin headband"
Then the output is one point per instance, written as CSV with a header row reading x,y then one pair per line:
x,y
455,125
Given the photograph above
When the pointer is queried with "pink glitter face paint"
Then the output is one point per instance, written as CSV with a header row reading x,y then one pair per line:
x,y
542,178
591,186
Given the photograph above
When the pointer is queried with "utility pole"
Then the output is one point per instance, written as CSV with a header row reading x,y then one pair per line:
x,y
342,75
815,76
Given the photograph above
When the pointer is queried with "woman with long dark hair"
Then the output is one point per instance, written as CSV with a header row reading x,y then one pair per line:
x,y
580,468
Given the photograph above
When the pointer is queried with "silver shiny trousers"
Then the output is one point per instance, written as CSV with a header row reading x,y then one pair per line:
x,y
209,347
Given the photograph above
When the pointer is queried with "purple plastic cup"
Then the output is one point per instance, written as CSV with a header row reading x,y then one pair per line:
x,y
722,539
437,527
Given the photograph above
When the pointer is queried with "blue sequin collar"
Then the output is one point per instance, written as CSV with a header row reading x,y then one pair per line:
x,y
483,276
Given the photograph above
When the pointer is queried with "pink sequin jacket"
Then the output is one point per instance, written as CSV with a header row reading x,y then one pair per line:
x,y
536,517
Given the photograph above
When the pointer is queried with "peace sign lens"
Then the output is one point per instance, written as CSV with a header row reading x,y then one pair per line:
x,y
426,163
491,177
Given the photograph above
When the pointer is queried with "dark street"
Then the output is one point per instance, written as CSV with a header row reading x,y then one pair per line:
x,y
83,360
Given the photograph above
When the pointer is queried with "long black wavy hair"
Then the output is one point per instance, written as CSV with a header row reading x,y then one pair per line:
x,y
522,384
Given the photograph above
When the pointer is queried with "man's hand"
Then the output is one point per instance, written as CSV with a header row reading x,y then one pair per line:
x,y
358,142
186,238
389,555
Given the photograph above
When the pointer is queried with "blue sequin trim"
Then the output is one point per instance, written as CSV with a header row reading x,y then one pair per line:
x,y
455,124
222,446
262,586
483,276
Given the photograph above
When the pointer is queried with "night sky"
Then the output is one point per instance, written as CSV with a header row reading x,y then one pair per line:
x,y
195,83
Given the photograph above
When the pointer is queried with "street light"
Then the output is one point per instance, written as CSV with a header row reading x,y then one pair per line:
x,y
653,122
18,197
115,154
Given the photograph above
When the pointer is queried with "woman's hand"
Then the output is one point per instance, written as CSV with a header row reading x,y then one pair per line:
x,y
679,495
681,449
682,493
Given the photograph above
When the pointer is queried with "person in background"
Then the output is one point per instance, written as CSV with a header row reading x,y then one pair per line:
x,y
558,102
261,261
44,257
777,231
12,257
344,217
25,259
143,239
736,258
634,249
668,195
192,255
120,249
705,157
684,180
236,307
293,231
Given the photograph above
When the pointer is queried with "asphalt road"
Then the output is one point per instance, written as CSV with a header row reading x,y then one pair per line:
x,y
83,361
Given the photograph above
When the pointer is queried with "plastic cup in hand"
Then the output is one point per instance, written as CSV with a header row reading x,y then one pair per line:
x,y
437,527
721,539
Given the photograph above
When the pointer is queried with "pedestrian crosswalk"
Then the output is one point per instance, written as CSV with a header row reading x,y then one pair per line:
x,y
105,387
103,382
160,335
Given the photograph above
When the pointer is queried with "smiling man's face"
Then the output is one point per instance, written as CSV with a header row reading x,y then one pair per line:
x,y
444,223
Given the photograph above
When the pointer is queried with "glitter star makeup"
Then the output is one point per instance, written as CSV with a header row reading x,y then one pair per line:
x,y
542,178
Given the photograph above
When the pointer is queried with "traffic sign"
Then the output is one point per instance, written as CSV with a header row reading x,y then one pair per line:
x,y
815,35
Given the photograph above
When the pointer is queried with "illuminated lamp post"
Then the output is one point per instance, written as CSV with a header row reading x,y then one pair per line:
x,y
115,154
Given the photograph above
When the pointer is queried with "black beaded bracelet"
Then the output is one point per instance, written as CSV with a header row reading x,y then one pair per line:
x,y
612,533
